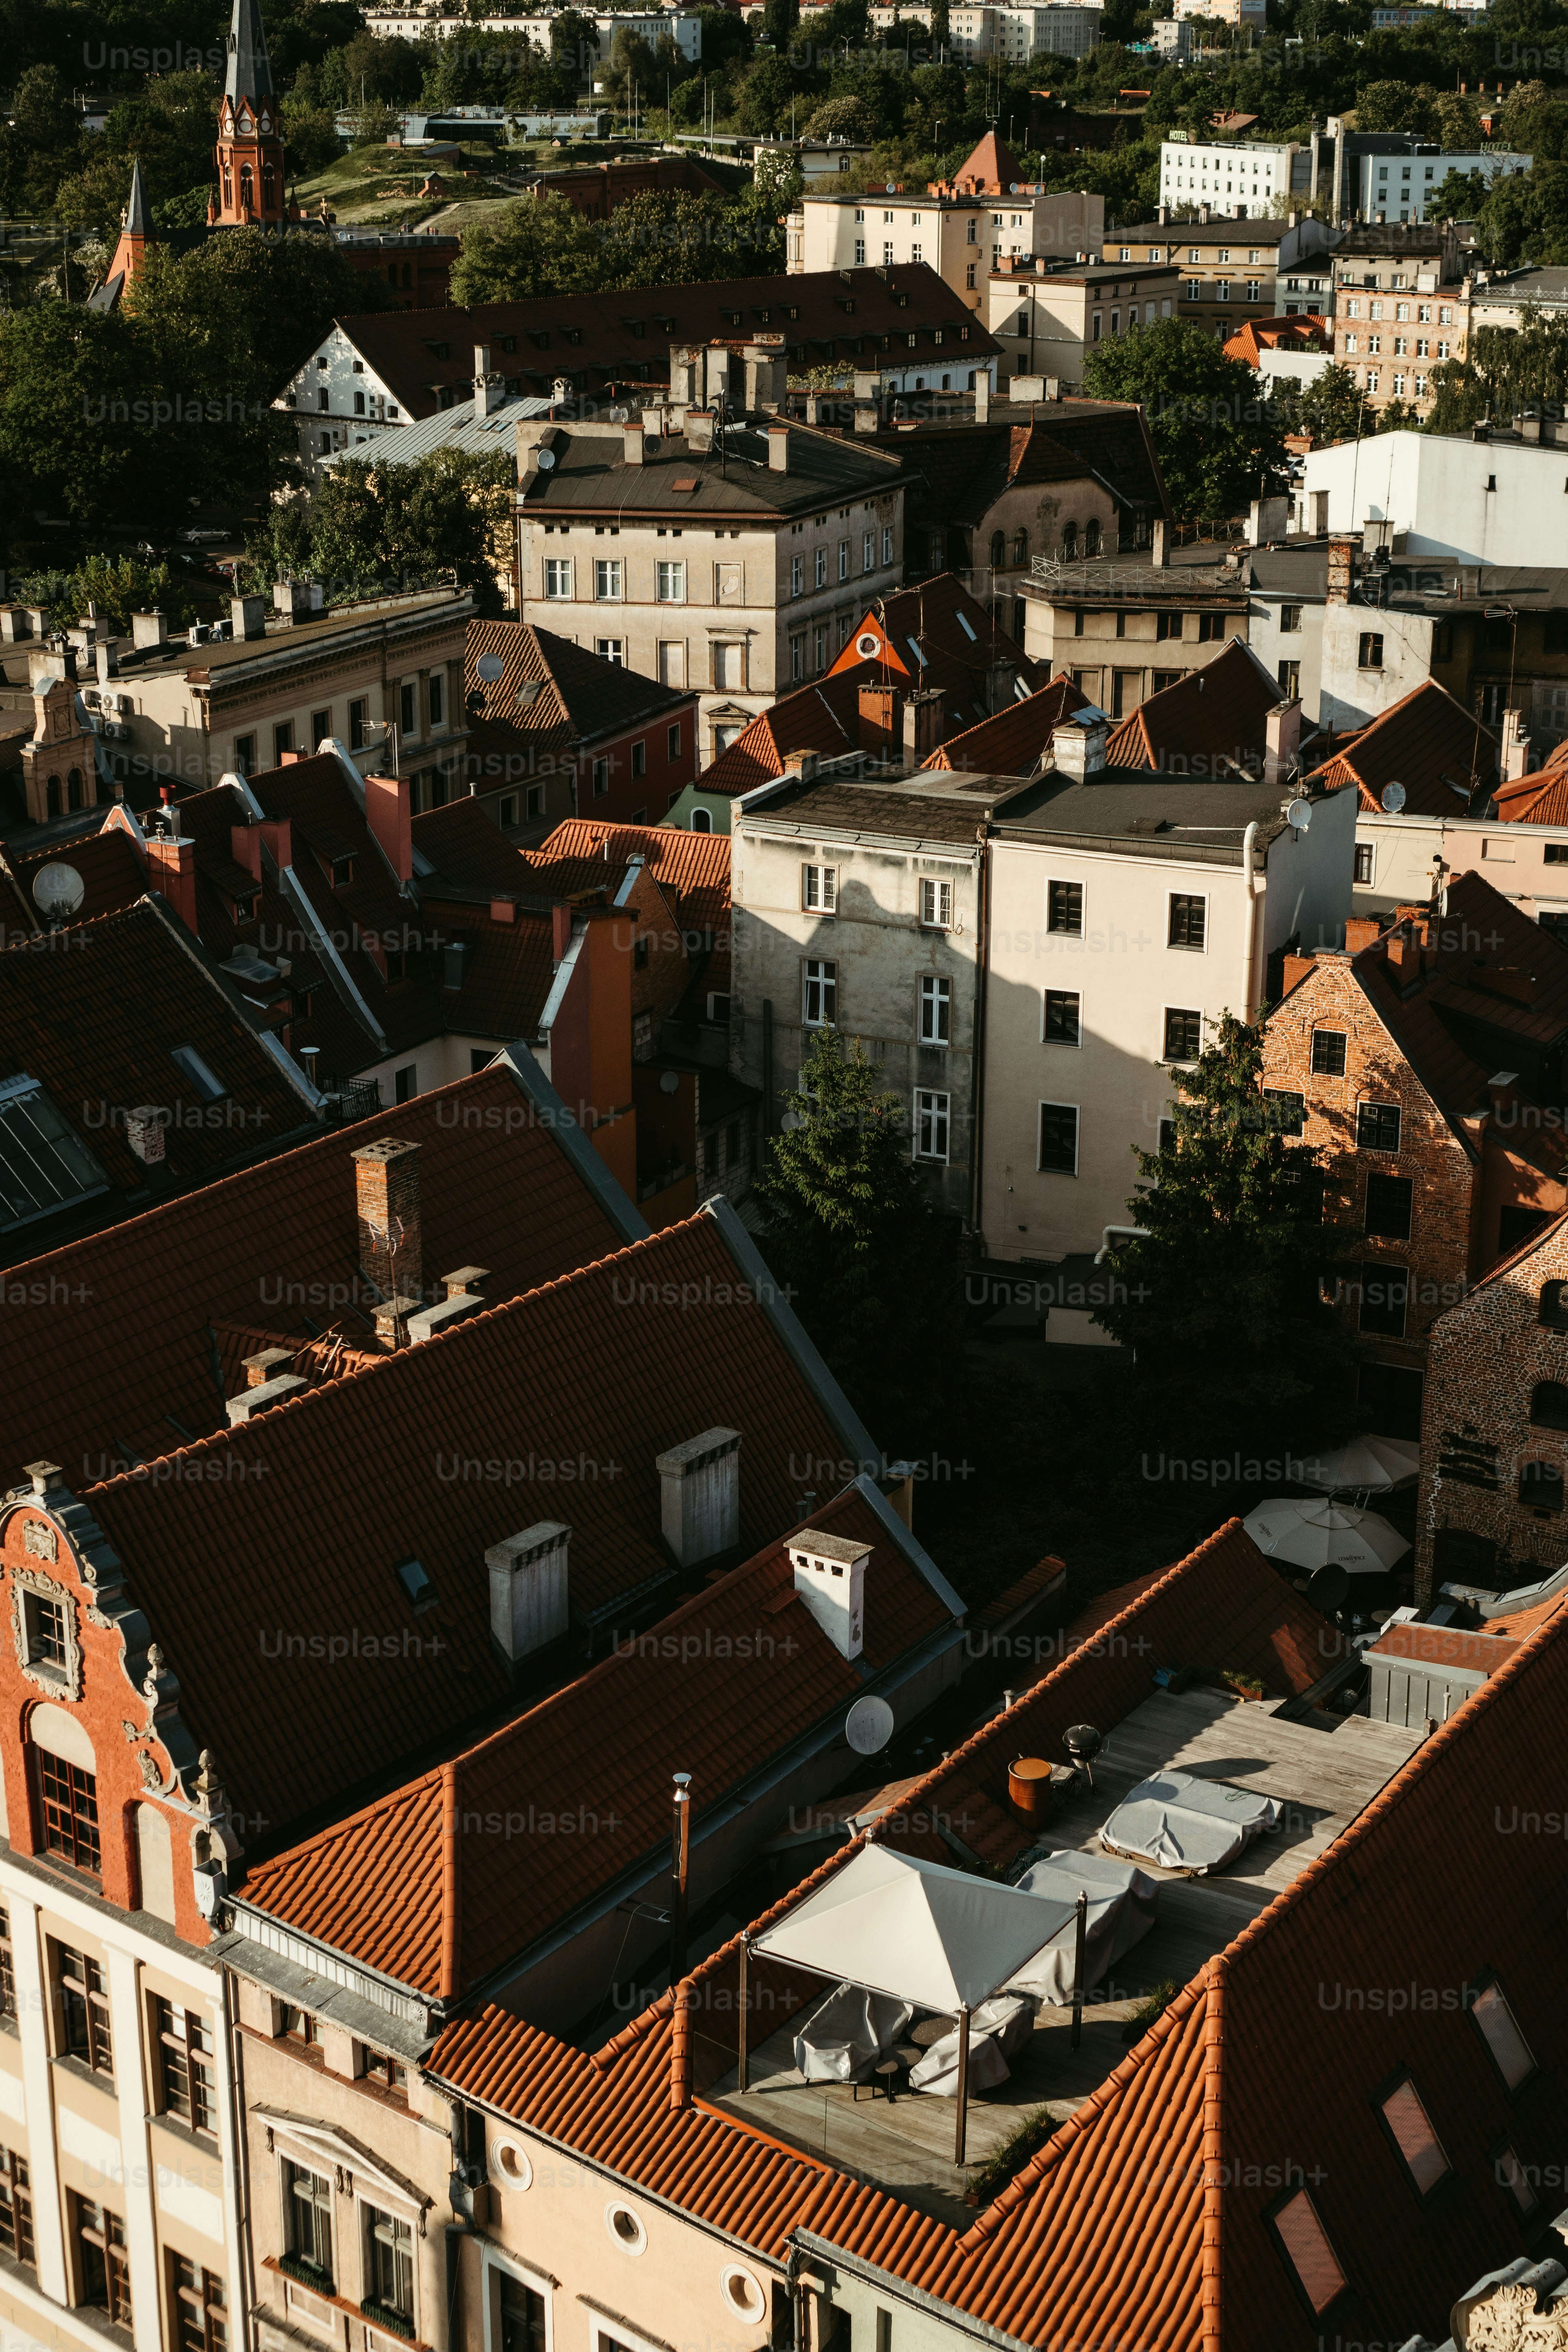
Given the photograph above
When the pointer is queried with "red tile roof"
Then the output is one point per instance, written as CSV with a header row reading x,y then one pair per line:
x,y
751,1677
1144,2221
574,695
437,1452
1212,719
1421,741
129,1361
824,717
468,851
960,640
1539,798
691,868
1014,741
991,168
1255,336
113,874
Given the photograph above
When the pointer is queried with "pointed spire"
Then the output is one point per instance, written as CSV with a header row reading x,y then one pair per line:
x,y
137,222
249,73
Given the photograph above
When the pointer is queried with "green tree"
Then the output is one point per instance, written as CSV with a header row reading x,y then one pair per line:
x,y
853,1238
1220,444
841,118
1331,409
1503,373
770,91
372,520
71,439
311,137
1219,1296
119,586
540,245
1394,106
1459,197
573,42
780,18
667,239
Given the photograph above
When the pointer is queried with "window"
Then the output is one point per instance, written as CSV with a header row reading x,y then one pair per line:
x,y
1183,1035
389,2269
868,552
1290,619
1188,921
1059,1138
405,1082
558,575
1063,1017
185,2065
1369,654
16,2207
936,1010
1388,1205
1288,1114
1384,1293
438,693
359,716
639,758
308,2221
936,905
1211,628
819,888
931,1124
610,649
69,1798
201,2318
844,559
1377,1127
671,583
1064,908
1500,2030
1167,626
1328,1052
601,778
282,741
379,2068
607,580
1549,1405
821,567
297,2025
1309,2253
245,755
1552,1309
1364,861
819,995
1410,2128
1511,2176
45,1633
408,709
105,2268
797,575
1540,1488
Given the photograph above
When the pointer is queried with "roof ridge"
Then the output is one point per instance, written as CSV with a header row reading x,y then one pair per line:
x,y
402,1357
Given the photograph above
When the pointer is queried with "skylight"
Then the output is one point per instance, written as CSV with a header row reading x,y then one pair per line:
x,y
42,1162
210,1087
415,1582
917,653
968,632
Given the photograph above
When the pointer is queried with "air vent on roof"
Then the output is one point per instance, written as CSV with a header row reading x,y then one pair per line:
x,y
415,1582
634,326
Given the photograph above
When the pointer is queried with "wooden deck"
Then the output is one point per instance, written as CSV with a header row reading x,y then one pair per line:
x,y
1325,1772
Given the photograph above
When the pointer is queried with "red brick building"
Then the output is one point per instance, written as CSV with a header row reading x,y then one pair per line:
x,y
1494,1441
595,190
1425,1061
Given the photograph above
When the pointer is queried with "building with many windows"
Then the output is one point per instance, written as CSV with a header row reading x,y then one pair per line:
x,y
1247,178
964,237
1055,28
1401,187
1049,315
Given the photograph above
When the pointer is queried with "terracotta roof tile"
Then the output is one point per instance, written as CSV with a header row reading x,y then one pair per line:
x,y
581,856
703,1691
437,1452
1015,741
108,863
1420,742
1539,798
1212,717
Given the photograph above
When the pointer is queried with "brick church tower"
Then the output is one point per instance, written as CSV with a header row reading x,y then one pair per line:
x,y
250,154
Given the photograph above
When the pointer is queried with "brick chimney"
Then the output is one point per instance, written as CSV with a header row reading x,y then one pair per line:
x,y
922,724
172,872
1296,969
387,1200
1342,570
245,844
879,731
389,813
1360,932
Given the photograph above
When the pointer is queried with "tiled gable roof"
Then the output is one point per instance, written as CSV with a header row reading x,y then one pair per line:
x,y
439,1452
1421,741
692,868
755,1674
990,167
108,863
958,637
1014,741
1539,798
824,717
1214,716
1255,336
132,1364
468,851
576,698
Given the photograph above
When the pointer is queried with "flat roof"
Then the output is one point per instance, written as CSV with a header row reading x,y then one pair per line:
x,y
1147,812
282,636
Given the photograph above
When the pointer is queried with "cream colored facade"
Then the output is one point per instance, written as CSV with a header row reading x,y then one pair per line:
x,y
1119,648
963,238
1397,856
1059,28
1047,321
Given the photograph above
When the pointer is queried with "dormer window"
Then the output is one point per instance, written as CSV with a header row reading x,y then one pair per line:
x,y
341,870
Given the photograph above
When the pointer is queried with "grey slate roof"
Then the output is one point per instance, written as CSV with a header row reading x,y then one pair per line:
x,y
591,472
249,73
1148,814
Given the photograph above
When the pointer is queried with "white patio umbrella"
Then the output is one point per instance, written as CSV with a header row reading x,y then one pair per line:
x,y
1304,1533
1366,1465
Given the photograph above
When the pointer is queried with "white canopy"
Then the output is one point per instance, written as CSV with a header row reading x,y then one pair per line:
x,y
1307,1533
916,1929
1367,1465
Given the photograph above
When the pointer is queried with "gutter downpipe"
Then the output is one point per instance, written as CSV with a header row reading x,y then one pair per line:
x,y
1249,838
977,1088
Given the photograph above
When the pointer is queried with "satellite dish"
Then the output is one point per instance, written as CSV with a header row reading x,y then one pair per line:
x,y
58,889
670,1082
869,1726
866,645
1299,814
1327,1587
489,667
546,460
1393,799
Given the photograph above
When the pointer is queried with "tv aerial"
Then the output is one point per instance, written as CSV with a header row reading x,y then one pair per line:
x,y
58,890
1393,799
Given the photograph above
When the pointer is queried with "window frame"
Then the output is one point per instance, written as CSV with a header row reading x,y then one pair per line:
x,y
1366,1104
106,2235
186,2068
1044,1103
49,1811
609,580
1065,996
674,592
1380,1176
1489,1981
559,579
1316,2312
292,2172
1169,1012
819,974
927,1117
1388,2089
400,2239
1187,899
1066,930
933,1005
823,878
1314,1070
936,891
198,2307
16,2208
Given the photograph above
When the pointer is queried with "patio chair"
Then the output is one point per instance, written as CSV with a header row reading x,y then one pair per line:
x,y
842,2041
998,2030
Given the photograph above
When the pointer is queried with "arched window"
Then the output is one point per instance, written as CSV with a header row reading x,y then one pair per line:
x,y
998,549
1554,1313
246,189
1069,539
1540,1488
1091,538
1020,547
268,197
227,189
701,820
1549,1405
73,789
52,796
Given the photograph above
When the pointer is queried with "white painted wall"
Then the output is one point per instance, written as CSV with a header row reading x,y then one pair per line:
x,y
1433,488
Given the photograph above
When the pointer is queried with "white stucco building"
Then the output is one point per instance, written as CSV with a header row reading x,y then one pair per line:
x,y
1059,28
1449,497
1241,176
1399,187
963,238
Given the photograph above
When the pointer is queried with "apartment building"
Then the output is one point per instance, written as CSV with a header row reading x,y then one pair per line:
x,y
683,26
383,676
1127,625
1249,179
1239,13
963,237
1500,298
1131,906
1058,29
1449,498
732,558
1047,317
1399,307
1401,187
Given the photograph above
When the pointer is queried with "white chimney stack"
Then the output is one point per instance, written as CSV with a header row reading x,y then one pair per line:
x,y
528,1588
1078,750
830,1578
700,1499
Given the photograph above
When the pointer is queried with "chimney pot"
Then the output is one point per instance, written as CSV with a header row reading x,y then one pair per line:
x,y
700,1502
387,1188
1360,932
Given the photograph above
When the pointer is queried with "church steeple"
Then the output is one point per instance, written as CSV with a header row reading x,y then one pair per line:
x,y
136,234
250,154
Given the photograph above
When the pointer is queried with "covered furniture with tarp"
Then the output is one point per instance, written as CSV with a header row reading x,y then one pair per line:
x,y
1183,1823
1121,1911
999,2029
921,1933
842,2041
